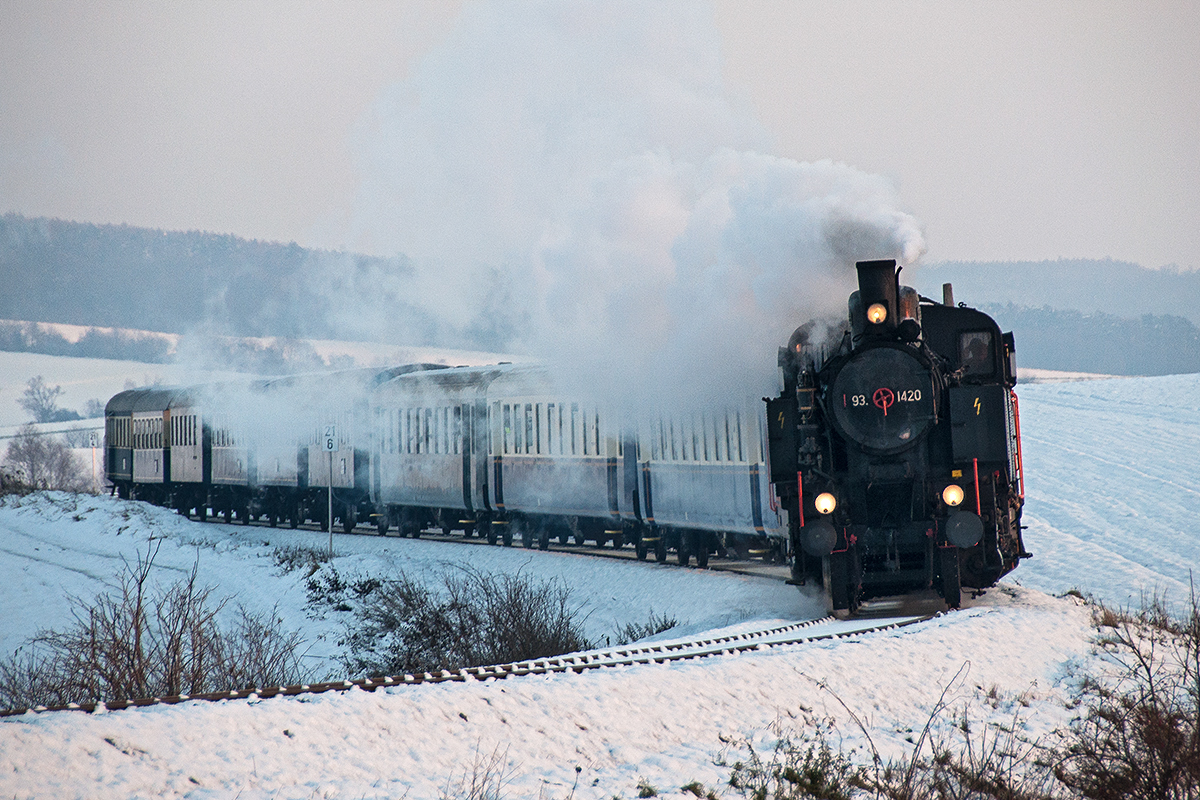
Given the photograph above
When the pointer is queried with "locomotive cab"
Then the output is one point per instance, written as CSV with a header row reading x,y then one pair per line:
x,y
897,456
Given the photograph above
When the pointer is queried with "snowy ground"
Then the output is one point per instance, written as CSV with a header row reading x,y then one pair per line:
x,y
1111,473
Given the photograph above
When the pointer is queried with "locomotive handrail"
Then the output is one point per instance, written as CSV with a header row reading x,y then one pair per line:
x,y
1020,458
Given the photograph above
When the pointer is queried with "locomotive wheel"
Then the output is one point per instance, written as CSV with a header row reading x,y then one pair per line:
x,y
950,582
491,534
295,517
841,591
660,549
382,523
640,549
348,521
273,518
508,535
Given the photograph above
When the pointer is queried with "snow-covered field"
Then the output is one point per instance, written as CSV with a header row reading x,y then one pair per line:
x,y
1112,480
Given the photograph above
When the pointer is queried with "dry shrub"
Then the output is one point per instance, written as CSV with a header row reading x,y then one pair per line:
x,y
35,460
148,641
1140,736
472,619
485,779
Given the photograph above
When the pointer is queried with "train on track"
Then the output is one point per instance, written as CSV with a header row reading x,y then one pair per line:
x,y
889,463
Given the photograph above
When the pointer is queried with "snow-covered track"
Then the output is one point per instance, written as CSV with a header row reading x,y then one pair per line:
x,y
658,653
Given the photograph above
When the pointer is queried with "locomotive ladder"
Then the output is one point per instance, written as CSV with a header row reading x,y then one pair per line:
x,y
816,630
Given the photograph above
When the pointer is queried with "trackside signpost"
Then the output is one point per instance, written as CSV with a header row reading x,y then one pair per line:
x,y
330,442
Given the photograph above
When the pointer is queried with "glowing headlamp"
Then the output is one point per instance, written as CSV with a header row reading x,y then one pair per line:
x,y
825,503
877,313
952,495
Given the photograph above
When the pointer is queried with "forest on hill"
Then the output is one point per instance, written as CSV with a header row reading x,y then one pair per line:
x,y
1083,315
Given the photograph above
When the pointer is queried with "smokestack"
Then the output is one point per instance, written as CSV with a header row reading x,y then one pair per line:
x,y
947,294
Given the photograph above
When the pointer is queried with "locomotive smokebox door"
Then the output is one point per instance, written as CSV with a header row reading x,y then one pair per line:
x,y
781,436
977,423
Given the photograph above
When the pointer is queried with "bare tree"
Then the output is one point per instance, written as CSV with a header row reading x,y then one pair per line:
x,y
44,461
41,401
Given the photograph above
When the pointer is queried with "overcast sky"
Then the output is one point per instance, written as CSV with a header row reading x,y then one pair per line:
x,y
1011,130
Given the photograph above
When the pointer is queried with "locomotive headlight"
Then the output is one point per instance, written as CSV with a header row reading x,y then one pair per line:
x,y
952,494
825,503
877,313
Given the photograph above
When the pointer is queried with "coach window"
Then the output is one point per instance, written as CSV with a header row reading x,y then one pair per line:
x,y
574,429
507,430
528,428
456,431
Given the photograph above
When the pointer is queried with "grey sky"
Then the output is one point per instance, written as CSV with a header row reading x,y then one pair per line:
x,y
1013,130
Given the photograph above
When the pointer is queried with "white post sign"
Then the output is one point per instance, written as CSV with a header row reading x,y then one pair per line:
x,y
330,442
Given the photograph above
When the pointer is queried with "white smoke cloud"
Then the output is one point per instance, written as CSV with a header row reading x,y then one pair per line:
x,y
580,170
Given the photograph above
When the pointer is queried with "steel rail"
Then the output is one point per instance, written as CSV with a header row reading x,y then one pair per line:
x,y
628,655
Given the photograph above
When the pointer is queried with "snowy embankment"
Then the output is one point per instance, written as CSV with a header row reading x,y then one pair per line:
x,y
1111,475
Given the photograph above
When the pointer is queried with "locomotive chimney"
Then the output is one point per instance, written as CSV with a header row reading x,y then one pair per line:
x,y
874,307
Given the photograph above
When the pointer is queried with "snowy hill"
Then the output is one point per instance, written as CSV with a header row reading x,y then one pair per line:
x,y
1112,482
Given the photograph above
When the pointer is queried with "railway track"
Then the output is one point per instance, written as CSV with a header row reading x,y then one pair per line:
x,y
743,566
798,633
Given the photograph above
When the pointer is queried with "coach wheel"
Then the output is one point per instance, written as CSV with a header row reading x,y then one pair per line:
x,y
491,534
577,537
950,582
702,551
273,518
296,517
349,519
640,550
618,540
683,550
544,539
660,549
508,535
526,535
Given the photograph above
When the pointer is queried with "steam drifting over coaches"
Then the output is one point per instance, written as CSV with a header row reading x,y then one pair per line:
x,y
897,455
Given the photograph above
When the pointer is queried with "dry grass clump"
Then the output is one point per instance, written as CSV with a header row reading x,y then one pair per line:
x,y
145,640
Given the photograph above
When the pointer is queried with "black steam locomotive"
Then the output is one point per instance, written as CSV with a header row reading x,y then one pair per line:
x,y
895,448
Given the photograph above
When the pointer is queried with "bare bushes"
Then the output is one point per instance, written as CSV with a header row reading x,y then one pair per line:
x,y
41,461
1140,736
143,640
471,619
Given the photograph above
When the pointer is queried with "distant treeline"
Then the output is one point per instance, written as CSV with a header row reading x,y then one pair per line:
x,y
267,358
1076,342
117,276
1113,287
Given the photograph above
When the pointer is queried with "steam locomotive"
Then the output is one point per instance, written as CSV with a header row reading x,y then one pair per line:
x,y
896,451
890,462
